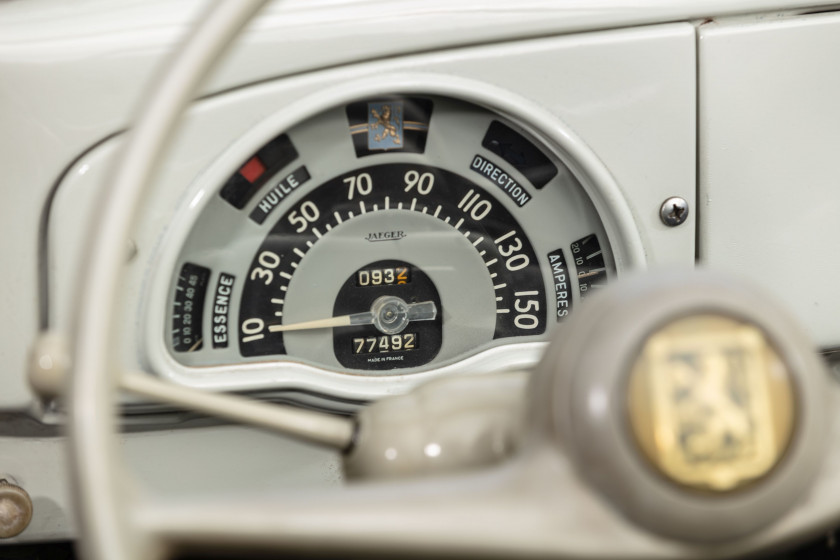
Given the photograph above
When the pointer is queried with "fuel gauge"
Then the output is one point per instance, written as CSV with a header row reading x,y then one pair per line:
x,y
188,308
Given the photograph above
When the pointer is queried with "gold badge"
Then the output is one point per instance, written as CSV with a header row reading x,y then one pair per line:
x,y
711,403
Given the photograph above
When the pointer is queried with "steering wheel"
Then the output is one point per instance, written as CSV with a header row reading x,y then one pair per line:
x,y
580,484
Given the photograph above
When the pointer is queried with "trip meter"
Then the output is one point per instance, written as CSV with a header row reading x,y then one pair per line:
x,y
389,235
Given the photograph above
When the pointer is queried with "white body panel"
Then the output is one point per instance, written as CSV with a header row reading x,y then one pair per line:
x,y
769,122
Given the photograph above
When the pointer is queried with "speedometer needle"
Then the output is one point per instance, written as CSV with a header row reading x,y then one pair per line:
x,y
389,314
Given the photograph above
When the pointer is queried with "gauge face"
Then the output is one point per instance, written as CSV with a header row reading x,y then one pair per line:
x,y
389,235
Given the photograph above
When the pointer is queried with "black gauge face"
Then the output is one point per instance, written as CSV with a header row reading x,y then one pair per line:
x,y
590,262
443,202
408,344
394,234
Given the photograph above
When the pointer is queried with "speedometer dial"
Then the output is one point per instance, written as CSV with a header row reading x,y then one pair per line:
x,y
416,213
390,235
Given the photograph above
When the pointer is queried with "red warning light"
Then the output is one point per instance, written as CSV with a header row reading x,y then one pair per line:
x,y
252,170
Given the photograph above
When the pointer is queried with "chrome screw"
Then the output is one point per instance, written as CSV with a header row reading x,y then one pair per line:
x,y
674,211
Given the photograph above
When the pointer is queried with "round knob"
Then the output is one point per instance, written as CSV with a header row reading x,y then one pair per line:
x,y
15,510
711,403
691,402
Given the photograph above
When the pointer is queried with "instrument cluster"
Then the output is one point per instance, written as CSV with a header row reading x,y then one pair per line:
x,y
390,235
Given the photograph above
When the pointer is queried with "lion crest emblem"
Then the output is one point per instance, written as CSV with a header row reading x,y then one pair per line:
x,y
385,126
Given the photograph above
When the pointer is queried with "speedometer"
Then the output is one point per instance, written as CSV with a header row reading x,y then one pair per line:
x,y
389,235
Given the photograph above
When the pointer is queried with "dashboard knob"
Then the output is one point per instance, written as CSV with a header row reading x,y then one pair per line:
x,y
15,509
711,403
692,402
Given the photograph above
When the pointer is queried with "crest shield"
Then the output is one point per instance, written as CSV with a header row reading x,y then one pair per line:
x,y
711,403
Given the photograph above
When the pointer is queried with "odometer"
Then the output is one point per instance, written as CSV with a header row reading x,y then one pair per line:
x,y
403,342
383,276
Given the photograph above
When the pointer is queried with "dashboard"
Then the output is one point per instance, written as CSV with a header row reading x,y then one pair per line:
x,y
369,196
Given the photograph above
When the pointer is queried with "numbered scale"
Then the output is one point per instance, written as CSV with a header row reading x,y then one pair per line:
x,y
390,235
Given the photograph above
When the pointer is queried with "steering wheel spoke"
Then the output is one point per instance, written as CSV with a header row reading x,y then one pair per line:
x,y
315,427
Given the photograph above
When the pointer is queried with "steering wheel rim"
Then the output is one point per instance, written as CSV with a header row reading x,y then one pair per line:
x,y
105,536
